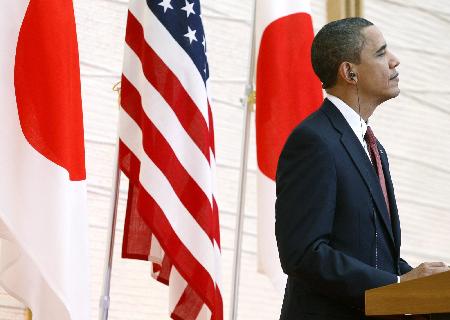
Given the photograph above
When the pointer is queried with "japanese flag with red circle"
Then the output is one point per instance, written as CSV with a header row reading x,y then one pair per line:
x,y
43,219
287,91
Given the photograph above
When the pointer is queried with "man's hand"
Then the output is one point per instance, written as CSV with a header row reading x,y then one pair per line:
x,y
425,269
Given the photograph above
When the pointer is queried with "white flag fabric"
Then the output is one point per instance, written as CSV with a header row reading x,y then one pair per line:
x,y
287,91
43,220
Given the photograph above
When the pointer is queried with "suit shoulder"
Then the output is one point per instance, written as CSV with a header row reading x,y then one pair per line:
x,y
316,128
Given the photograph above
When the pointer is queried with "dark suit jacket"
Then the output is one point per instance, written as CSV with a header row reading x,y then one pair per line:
x,y
334,233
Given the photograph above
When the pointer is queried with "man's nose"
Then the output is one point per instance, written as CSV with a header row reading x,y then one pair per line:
x,y
393,62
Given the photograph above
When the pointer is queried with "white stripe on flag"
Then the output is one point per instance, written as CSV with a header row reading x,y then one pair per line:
x,y
163,117
157,186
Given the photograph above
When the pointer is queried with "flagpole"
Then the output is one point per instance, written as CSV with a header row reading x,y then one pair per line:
x,y
247,104
105,299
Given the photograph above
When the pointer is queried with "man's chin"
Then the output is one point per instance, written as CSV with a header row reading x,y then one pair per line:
x,y
397,92
394,93
391,95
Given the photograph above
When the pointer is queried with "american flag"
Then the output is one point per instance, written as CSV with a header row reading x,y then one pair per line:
x,y
167,151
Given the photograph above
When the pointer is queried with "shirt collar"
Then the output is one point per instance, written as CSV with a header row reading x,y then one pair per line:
x,y
355,121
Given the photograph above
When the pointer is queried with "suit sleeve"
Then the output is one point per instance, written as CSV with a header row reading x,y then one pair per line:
x,y
404,266
305,209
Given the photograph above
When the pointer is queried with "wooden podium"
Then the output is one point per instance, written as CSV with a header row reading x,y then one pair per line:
x,y
425,296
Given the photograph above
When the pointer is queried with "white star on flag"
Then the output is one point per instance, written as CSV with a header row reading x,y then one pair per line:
x,y
191,35
189,8
166,5
204,43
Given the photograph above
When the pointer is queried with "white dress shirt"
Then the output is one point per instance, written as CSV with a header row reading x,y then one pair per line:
x,y
355,121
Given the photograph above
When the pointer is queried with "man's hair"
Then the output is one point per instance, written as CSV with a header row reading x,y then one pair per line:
x,y
336,42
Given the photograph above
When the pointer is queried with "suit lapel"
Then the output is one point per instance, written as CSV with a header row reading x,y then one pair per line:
x,y
391,195
360,160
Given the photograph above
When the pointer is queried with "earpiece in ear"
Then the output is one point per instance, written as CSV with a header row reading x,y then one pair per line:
x,y
352,76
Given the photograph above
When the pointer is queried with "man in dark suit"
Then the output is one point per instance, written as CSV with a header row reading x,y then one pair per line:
x,y
337,224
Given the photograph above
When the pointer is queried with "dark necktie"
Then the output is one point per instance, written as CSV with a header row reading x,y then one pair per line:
x,y
376,161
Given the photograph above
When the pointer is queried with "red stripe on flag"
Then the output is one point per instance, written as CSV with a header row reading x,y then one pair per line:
x,y
137,236
168,86
211,129
49,106
189,305
287,88
185,187
189,268
215,213
164,273
216,224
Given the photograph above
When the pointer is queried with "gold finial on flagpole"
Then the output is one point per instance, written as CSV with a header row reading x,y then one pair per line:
x,y
28,314
251,100
117,88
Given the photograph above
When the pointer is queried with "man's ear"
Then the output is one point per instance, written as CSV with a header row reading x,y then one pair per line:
x,y
347,73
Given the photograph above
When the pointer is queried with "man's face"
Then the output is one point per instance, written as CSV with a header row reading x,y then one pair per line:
x,y
377,77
